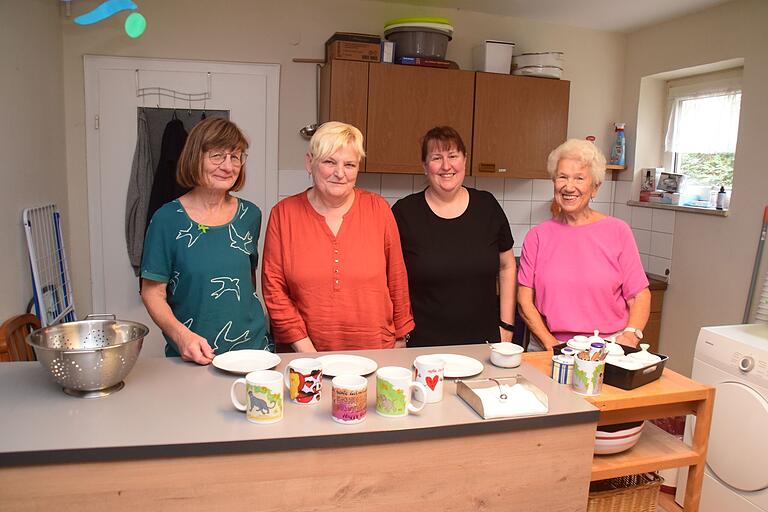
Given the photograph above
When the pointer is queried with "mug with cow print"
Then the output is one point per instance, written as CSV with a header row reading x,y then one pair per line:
x,y
429,370
304,378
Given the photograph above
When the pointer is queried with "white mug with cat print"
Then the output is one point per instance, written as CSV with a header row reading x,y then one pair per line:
x,y
263,396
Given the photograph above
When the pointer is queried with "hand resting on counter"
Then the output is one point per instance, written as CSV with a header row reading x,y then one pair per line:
x,y
193,347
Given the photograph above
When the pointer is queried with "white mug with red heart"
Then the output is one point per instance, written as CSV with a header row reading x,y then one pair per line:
x,y
429,370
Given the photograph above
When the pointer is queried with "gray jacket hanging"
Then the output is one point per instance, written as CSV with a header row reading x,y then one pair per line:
x,y
139,192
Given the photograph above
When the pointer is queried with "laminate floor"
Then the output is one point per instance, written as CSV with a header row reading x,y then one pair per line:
x,y
667,503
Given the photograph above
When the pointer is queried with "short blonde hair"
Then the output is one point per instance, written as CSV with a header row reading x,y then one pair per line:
x,y
584,152
331,137
210,133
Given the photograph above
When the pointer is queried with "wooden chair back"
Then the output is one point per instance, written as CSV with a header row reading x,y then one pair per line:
x,y
12,334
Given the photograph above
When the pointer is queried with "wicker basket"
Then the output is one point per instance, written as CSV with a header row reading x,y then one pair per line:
x,y
633,493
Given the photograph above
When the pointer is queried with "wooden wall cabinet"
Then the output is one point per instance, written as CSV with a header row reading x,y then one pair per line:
x,y
344,94
406,101
509,123
518,121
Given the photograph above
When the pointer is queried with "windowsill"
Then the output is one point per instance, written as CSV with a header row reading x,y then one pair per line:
x,y
678,208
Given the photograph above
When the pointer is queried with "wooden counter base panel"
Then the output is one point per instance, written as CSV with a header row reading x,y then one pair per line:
x,y
533,470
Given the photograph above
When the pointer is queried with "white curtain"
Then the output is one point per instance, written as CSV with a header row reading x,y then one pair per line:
x,y
707,122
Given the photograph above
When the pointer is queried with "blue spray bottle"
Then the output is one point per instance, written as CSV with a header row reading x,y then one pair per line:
x,y
619,147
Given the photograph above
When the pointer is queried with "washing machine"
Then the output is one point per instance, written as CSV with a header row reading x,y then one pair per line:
x,y
733,359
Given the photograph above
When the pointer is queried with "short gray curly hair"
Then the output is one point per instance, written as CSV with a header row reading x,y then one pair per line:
x,y
583,151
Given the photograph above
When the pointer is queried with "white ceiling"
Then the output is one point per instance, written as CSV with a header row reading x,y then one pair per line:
x,y
612,15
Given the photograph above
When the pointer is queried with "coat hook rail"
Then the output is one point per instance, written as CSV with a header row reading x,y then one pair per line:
x,y
172,93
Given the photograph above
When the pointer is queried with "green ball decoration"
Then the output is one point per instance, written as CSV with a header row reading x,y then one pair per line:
x,y
135,24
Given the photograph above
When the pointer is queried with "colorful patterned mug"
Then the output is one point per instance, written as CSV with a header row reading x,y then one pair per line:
x,y
304,379
393,392
263,396
587,376
349,398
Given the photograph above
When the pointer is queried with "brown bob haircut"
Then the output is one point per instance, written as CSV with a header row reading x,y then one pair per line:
x,y
441,138
208,134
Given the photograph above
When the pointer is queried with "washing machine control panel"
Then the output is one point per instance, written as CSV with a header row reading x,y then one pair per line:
x,y
749,366
742,360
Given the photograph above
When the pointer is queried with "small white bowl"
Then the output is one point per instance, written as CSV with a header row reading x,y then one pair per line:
x,y
578,343
506,355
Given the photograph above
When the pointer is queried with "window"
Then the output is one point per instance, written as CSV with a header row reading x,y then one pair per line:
x,y
702,130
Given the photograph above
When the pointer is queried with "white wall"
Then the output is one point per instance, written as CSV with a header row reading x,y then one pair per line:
x,y
277,32
32,153
712,256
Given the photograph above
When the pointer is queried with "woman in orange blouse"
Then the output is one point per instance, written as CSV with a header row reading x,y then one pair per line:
x,y
333,275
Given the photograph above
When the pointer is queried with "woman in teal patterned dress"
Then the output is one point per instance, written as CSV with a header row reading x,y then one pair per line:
x,y
201,252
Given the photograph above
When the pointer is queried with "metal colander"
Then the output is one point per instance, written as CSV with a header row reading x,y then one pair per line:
x,y
89,358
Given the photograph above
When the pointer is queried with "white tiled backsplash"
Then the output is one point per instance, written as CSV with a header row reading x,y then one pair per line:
x,y
654,230
526,203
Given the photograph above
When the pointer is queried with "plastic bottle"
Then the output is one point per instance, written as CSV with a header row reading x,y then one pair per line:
x,y
617,152
721,198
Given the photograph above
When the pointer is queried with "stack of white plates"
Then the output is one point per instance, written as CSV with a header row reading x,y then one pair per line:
x,y
543,64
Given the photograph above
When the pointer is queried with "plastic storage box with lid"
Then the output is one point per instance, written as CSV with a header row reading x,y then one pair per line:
x,y
425,37
493,56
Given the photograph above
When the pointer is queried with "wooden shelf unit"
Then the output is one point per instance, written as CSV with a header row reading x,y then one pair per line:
x,y
612,167
670,395
655,450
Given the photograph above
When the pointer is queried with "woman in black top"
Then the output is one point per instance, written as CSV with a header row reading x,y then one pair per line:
x,y
456,242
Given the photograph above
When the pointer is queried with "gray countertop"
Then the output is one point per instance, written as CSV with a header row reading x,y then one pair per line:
x,y
169,407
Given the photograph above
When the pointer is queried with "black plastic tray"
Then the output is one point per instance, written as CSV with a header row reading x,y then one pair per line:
x,y
628,379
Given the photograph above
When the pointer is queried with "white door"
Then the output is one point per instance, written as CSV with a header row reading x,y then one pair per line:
x,y
248,91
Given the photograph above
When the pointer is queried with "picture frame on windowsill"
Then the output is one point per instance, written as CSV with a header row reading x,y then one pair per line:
x,y
670,182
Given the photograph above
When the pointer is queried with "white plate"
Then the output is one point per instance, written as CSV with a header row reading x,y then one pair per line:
x,y
457,366
343,364
245,361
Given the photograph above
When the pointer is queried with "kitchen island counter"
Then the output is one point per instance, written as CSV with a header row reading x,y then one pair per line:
x,y
172,434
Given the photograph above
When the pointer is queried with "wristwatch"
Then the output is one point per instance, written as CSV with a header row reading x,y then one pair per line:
x,y
637,332
507,327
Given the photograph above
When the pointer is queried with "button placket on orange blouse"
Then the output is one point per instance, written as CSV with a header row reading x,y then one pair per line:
x,y
336,266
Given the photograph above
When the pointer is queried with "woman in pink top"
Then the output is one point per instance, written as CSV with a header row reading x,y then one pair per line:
x,y
581,270
333,275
